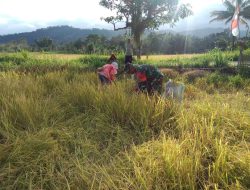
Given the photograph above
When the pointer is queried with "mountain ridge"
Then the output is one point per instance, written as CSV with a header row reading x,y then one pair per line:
x,y
66,34
59,34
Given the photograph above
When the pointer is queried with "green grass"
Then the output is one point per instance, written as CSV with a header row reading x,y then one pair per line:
x,y
212,59
59,129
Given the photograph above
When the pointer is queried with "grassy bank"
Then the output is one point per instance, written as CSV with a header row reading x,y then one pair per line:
x,y
212,59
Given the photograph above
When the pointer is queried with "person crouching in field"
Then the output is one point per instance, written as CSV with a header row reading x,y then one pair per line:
x,y
148,78
108,71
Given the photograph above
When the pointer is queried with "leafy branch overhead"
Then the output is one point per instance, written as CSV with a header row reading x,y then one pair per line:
x,y
139,15
149,14
227,15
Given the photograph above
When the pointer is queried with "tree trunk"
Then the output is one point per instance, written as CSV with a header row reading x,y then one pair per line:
x,y
233,42
137,39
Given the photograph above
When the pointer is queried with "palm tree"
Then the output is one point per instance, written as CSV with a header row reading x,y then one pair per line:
x,y
228,14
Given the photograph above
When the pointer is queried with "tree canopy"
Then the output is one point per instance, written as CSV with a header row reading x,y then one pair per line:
x,y
227,15
139,15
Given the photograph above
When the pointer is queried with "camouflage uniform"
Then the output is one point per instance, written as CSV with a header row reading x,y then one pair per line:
x,y
149,78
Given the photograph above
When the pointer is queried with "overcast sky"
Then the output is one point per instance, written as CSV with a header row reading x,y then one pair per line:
x,y
28,15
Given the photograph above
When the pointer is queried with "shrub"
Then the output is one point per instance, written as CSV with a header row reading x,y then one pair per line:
x,y
217,79
220,60
244,71
236,81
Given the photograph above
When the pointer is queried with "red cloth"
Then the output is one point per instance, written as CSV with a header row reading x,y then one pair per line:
x,y
109,71
141,77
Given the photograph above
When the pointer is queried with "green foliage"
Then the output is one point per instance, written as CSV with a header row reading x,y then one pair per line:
x,y
47,61
220,60
141,15
244,71
44,44
171,43
95,61
165,12
13,45
236,81
227,15
226,82
17,58
71,40
217,79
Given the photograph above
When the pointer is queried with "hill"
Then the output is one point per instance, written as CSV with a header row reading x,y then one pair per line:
x,y
65,34
59,34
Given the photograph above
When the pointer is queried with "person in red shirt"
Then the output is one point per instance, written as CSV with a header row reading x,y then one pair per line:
x,y
148,78
108,71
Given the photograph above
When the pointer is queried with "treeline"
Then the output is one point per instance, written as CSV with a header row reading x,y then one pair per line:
x,y
169,43
92,44
152,43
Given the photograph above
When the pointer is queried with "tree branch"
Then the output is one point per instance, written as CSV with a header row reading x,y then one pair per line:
x,y
121,28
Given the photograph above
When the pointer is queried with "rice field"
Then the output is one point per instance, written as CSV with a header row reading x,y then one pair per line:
x,y
165,57
60,129
62,56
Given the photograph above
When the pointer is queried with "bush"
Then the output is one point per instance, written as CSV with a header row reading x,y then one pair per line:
x,y
95,61
217,79
236,81
244,71
16,58
220,60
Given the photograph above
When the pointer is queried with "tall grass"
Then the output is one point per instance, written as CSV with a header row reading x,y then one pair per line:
x,y
60,129
49,122
214,58
211,153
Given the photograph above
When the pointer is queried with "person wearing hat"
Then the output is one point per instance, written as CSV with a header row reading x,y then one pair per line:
x,y
148,78
108,71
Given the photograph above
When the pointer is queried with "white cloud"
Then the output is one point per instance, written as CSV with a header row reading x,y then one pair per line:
x,y
3,21
49,10
201,16
34,14
199,6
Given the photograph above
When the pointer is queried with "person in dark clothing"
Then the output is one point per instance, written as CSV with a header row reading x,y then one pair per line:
x,y
148,78
129,52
